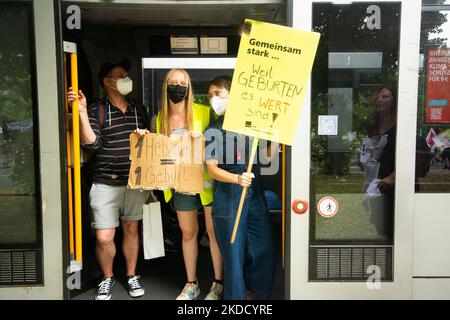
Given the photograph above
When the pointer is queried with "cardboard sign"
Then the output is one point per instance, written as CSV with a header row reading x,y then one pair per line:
x,y
161,162
438,86
268,89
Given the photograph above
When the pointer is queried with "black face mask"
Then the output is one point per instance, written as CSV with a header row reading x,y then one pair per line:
x,y
176,93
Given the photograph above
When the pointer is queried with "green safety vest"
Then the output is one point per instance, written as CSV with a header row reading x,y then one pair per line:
x,y
201,122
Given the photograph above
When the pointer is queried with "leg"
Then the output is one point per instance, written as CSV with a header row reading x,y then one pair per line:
x,y
260,263
188,221
105,250
131,215
105,202
233,257
226,202
130,245
213,246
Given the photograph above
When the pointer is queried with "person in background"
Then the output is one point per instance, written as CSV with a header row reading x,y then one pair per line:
x,y
380,170
179,115
105,128
249,263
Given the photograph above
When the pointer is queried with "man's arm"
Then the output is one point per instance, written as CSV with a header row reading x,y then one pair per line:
x,y
88,137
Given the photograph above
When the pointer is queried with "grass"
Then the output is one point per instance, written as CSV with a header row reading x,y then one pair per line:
x,y
352,221
436,181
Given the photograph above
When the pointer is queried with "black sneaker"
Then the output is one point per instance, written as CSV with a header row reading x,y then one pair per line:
x,y
104,289
134,288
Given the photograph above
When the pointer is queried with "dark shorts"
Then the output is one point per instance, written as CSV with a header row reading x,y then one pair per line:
x,y
186,202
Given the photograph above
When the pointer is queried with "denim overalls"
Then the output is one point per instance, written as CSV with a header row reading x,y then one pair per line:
x,y
249,263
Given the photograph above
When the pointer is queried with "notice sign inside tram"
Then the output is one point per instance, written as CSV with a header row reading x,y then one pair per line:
x,y
161,162
269,83
438,86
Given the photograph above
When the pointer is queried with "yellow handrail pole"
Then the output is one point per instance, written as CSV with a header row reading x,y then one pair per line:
x,y
76,159
69,166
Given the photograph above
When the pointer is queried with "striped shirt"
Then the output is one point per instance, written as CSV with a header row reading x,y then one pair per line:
x,y
111,149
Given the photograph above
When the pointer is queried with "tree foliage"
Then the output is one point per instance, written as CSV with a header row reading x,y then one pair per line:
x,y
16,97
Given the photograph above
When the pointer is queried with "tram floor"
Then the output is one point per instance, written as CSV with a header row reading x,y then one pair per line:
x,y
164,278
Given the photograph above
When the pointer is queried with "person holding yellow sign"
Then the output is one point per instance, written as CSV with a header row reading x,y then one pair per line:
x,y
179,115
249,263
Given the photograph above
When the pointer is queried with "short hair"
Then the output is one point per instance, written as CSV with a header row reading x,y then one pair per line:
x,y
107,67
221,82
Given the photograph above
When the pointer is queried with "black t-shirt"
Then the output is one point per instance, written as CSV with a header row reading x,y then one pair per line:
x,y
387,158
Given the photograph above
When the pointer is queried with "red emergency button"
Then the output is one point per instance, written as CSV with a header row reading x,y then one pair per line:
x,y
300,206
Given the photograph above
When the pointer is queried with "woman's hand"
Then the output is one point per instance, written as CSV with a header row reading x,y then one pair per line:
x,y
141,132
386,184
245,179
82,103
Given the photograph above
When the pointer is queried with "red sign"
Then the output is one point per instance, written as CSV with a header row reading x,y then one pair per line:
x,y
438,86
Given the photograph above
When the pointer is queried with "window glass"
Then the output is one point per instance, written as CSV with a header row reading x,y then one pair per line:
x,y
433,116
19,201
354,113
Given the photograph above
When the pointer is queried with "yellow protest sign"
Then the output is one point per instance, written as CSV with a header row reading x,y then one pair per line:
x,y
268,89
161,162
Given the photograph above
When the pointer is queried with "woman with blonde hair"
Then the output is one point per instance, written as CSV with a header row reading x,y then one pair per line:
x,y
180,115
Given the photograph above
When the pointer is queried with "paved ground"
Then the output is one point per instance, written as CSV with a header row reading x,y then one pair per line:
x,y
164,278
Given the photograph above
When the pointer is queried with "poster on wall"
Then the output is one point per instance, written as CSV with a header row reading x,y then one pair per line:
x,y
438,86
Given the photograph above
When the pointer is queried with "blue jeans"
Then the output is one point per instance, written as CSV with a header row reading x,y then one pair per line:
x,y
249,263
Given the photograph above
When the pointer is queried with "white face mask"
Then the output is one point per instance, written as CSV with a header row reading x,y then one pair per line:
x,y
219,105
124,86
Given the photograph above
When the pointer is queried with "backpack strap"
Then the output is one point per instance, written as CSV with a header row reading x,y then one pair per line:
x,y
102,114
141,111
100,108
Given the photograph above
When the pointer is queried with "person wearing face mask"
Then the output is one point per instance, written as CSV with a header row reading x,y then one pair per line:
x,y
179,115
249,263
105,128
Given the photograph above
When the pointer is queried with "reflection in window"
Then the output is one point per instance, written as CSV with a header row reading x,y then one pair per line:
x,y
433,127
355,78
19,208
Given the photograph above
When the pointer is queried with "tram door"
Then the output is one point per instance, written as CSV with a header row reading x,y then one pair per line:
x,y
431,219
352,161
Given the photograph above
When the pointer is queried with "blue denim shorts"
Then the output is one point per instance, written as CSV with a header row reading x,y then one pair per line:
x,y
186,202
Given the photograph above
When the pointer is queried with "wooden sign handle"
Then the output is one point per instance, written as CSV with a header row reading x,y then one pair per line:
x,y
244,190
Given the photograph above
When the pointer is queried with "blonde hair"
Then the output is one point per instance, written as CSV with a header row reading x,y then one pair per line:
x,y
188,103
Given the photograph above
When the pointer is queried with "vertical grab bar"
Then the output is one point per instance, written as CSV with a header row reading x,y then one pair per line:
x,y
69,168
76,264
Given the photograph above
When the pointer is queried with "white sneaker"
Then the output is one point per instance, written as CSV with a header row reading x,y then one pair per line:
x,y
191,291
215,293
